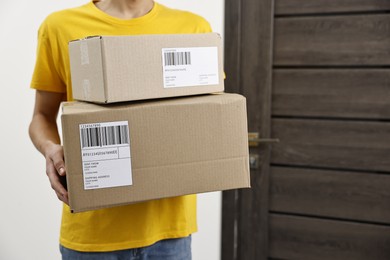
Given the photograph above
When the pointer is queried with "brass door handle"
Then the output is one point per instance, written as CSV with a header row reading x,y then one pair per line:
x,y
254,140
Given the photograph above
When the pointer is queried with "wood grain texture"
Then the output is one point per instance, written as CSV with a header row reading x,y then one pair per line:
x,y
291,7
345,195
358,40
332,144
345,93
232,43
230,202
317,239
248,65
229,222
256,84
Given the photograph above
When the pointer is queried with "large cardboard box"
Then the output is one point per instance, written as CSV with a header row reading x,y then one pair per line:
x,y
131,152
107,69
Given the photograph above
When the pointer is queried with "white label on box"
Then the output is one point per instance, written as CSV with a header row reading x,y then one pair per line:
x,y
105,153
183,67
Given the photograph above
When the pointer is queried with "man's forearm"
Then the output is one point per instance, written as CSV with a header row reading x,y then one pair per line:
x,y
43,132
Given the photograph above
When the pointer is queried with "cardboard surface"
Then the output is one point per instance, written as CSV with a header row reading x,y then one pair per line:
x,y
177,146
108,69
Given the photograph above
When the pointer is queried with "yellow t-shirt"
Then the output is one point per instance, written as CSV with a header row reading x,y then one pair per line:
x,y
129,226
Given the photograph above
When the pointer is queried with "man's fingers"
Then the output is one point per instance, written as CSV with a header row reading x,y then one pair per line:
x,y
54,179
55,169
63,197
58,162
55,183
61,171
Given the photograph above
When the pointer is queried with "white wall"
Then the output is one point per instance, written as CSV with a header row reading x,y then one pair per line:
x,y
30,212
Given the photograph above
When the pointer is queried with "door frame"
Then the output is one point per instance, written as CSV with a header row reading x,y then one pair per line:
x,y
248,67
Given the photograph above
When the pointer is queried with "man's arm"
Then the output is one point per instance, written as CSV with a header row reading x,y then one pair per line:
x,y
44,135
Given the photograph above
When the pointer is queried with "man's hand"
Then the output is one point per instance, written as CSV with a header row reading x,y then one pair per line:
x,y
44,134
55,168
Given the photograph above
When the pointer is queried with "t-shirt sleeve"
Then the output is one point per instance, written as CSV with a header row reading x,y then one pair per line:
x,y
203,25
207,26
45,76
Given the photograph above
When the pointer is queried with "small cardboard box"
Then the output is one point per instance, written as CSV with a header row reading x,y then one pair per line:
x,y
130,152
107,69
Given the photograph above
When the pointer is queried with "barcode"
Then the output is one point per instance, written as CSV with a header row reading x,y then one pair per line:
x,y
104,136
177,58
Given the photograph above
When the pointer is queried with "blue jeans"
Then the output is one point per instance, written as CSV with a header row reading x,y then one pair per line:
x,y
168,249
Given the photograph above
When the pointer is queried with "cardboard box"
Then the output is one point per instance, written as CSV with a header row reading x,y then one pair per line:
x,y
177,146
107,69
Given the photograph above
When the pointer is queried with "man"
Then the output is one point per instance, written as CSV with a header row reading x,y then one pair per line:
x,y
157,229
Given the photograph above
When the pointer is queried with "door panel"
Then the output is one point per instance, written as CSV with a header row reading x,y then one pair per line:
x,y
334,93
332,144
353,40
361,196
290,7
294,237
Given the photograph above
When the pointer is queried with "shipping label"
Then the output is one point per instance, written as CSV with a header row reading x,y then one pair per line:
x,y
105,152
183,67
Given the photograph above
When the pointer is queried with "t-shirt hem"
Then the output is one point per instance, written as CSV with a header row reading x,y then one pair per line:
x,y
48,89
124,245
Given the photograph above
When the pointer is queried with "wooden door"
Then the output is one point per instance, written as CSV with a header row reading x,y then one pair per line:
x,y
323,191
